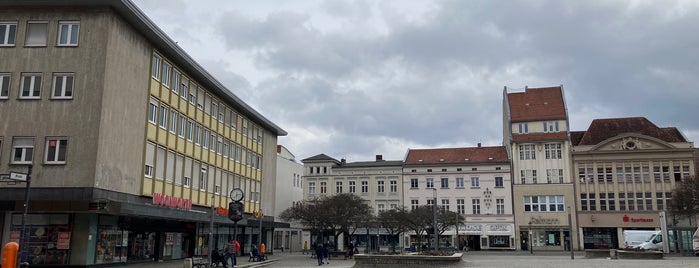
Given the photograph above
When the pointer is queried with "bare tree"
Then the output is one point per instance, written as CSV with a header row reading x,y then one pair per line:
x,y
685,198
419,220
393,221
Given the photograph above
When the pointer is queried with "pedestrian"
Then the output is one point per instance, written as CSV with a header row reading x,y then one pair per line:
x,y
319,254
305,247
231,251
326,257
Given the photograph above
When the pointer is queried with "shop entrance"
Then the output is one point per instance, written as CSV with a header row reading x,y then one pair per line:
x,y
473,242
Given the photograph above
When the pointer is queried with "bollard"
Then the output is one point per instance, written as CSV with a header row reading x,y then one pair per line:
x,y
9,254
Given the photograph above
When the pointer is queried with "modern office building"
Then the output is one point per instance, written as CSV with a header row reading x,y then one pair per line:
x,y
378,182
134,147
536,134
627,169
472,181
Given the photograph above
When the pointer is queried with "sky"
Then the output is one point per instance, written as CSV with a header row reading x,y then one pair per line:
x,y
355,79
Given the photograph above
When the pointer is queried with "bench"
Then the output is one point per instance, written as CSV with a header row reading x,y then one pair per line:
x,y
200,262
254,258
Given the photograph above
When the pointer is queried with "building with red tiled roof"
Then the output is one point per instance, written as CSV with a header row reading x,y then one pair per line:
x,y
626,171
536,135
472,181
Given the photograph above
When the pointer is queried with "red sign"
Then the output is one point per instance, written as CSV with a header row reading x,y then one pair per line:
x,y
171,201
626,218
63,240
221,211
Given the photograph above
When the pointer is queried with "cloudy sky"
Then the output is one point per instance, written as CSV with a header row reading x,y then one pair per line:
x,y
352,79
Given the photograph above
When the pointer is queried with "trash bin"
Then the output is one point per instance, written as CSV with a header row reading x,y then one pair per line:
x,y
187,262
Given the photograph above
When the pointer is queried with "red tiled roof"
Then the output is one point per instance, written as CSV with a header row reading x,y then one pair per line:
x,y
536,104
576,136
602,129
457,155
539,136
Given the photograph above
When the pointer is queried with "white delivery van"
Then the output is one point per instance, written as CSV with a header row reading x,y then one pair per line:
x,y
695,242
655,242
634,238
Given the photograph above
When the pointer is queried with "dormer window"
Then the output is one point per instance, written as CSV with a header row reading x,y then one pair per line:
x,y
523,128
551,126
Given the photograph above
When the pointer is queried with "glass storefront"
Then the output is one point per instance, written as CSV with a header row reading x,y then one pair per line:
x,y
48,237
112,242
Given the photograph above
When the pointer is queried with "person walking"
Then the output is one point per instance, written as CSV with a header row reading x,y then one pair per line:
x,y
319,254
231,252
305,247
326,256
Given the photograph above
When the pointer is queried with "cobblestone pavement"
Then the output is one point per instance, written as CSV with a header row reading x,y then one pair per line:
x,y
485,259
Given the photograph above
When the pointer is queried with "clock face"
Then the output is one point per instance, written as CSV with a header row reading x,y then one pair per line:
x,y
236,194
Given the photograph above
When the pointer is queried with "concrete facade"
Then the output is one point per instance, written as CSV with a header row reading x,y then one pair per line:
x,y
110,185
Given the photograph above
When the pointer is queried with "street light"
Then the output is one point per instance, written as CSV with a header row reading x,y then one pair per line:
x,y
570,235
434,211
531,249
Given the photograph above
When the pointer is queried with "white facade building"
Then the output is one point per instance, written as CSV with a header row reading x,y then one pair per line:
x,y
289,190
474,182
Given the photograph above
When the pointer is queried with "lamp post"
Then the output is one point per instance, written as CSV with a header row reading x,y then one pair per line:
x,y
211,222
23,239
434,211
570,235
531,249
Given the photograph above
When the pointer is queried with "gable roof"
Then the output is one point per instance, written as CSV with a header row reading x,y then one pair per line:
x,y
457,155
536,104
319,157
603,129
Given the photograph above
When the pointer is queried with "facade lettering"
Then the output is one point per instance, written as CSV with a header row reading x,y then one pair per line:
x,y
164,200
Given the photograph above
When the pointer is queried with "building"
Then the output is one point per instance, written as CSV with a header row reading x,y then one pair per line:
x,y
379,182
536,134
134,146
289,191
474,182
627,169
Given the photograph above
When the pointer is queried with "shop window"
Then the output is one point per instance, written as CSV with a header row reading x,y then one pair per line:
x,y
48,238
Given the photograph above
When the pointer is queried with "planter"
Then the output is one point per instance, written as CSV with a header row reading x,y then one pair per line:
x,y
637,254
405,261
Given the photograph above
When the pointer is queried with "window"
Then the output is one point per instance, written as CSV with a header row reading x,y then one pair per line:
x,y
152,110
551,203
338,187
553,150
527,152
498,182
166,74
155,69
62,86
551,126
554,176
36,33
173,121
381,208
445,205
31,86
414,204
8,31
311,188
4,85
475,182
523,128
476,206
149,161
197,134
323,187
214,109
528,176
413,183
183,85
352,187
56,150
22,150
500,206
430,183
68,33
181,126
205,138
459,182
380,187
460,206
162,122
190,130
365,187
200,99
393,186
445,182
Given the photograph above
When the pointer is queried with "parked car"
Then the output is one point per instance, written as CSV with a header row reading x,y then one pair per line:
x,y
634,238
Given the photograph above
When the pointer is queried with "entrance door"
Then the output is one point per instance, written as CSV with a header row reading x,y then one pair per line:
x,y
524,240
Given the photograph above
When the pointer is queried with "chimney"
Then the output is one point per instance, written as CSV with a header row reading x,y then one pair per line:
x,y
343,161
479,145
379,157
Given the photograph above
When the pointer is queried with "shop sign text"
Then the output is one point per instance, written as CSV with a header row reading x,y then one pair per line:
x,y
164,200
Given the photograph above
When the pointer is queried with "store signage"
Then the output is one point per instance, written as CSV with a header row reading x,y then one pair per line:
x,y
221,211
626,218
164,200
499,228
546,221
63,240
473,227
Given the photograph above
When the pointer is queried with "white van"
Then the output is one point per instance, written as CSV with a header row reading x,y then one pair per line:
x,y
634,238
695,242
655,242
